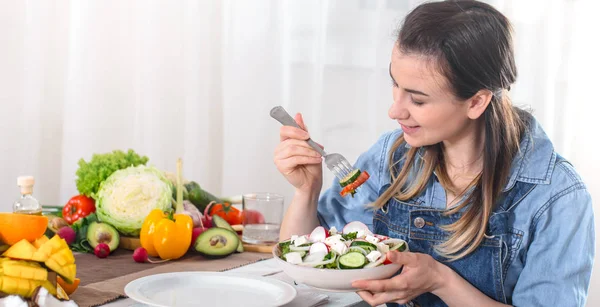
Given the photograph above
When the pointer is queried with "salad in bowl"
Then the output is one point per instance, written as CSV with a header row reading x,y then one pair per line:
x,y
332,259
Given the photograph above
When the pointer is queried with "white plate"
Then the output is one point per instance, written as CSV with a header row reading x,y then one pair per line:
x,y
209,289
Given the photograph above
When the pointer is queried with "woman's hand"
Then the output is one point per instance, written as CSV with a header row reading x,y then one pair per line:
x,y
421,273
299,163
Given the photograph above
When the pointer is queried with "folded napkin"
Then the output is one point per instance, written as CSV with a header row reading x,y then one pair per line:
x,y
306,296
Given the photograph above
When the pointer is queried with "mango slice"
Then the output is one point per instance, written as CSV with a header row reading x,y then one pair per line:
x,y
24,269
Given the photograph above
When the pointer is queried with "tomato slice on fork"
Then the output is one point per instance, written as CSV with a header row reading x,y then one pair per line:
x,y
351,187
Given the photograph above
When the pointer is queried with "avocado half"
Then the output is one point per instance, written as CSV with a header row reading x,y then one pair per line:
x,y
222,223
103,233
216,243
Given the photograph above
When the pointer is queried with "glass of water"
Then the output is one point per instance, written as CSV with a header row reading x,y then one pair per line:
x,y
262,215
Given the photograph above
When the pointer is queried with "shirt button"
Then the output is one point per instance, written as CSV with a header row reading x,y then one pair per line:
x,y
419,222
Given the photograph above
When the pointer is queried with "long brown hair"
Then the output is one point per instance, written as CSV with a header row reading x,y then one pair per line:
x,y
472,46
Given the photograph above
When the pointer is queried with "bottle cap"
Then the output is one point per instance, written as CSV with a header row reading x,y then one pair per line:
x,y
26,184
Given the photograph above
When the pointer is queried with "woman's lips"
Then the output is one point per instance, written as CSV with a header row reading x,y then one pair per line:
x,y
409,129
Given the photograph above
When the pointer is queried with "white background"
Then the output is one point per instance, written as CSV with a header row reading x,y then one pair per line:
x,y
196,79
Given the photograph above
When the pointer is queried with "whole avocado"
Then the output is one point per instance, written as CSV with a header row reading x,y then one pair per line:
x,y
198,196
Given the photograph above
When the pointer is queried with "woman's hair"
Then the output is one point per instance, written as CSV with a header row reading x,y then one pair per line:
x,y
470,43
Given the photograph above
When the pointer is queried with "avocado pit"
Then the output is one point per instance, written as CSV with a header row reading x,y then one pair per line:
x,y
104,237
218,241
99,232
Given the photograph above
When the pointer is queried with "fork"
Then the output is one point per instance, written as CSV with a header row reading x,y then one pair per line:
x,y
334,161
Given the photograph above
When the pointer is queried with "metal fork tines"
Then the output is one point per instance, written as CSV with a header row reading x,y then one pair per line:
x,y
338,165
334,161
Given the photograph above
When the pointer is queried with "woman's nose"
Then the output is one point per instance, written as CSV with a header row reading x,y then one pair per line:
x,y
398,109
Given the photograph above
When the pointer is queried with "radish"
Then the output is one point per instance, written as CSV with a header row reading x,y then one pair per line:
x,y
206,219
316,253
67,233
358,227
318,234
195,233
318,248
140,255
102,250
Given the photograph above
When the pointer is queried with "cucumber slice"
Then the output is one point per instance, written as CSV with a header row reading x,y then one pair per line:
x,y
399,247
365,245
352,260
350,178
359,249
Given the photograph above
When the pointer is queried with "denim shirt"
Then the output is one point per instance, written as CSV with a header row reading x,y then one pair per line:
x,y
548,256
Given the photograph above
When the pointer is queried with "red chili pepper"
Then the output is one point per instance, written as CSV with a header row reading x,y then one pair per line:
x,y
78,207
351,187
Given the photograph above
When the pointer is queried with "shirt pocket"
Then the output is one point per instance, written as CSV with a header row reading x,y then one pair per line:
x,y
394,217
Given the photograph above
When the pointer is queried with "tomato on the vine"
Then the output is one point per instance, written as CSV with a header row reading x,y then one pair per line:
x,y
228,212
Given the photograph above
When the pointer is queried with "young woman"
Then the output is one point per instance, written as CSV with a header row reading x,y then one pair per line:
x,y
491,213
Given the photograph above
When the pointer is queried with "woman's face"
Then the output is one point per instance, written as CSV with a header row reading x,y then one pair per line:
x,y
424,105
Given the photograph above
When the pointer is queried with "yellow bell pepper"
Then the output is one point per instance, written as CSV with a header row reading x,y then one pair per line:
x,y
149,230
166,238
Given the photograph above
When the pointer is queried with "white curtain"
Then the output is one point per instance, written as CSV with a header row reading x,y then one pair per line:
x,y
196,79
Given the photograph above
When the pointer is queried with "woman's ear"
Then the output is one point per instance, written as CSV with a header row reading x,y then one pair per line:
x,y
478,103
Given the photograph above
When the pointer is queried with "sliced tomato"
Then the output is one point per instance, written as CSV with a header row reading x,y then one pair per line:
x,y
346,190
387,260
351,187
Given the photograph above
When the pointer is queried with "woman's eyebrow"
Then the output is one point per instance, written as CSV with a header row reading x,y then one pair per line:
x,y
415,92
390,71
406,89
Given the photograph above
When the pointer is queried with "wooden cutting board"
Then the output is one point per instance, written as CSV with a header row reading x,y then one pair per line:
x,y
130,243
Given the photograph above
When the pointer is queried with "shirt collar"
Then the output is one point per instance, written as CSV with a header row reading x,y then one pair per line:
x,y
534,162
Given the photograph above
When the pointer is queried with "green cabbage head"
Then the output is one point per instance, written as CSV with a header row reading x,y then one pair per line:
x,y
127,196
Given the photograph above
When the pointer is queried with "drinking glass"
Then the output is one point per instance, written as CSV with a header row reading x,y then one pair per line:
x,y
262,215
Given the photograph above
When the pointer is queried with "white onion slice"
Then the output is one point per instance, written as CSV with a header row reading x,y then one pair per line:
x,y
376,263
360,249
314,257
318,263
393,241
299,248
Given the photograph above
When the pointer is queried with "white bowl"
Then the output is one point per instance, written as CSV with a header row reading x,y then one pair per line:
x,y
330,279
